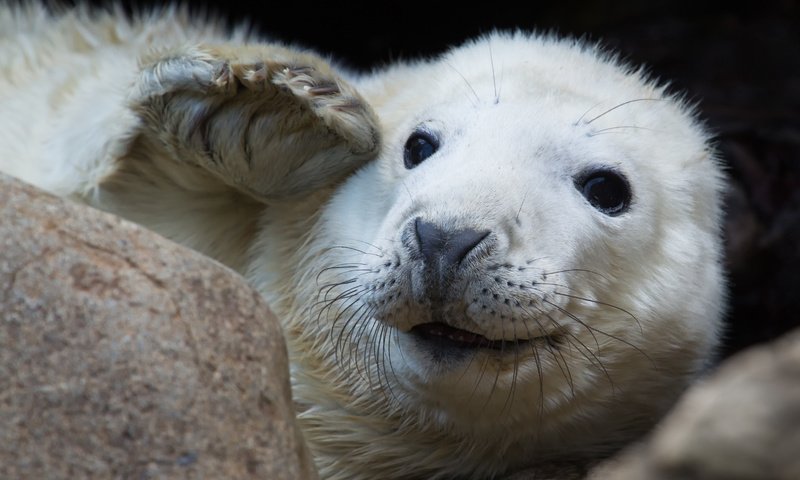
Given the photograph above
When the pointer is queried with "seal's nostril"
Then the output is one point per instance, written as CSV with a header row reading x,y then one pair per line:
x,y
445,247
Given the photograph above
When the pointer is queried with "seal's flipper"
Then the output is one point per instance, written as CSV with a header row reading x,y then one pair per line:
x,y
269,121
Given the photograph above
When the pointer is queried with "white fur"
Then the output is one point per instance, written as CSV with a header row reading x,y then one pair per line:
x,y
519,116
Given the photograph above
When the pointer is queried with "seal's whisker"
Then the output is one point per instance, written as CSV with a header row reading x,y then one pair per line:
x,y
387,358
598,302
469,85
466,368
342,266
368,332
586,349
344,276
512,390
494,76
328,287
575,318
357,331
519,210
480,377
497,370
341,294
354,329
538,361
550,284
396,338
514,381
364,334
343,329
575,270
620,105
327,305
372,357
565,367
399,345
374,349
354,249
410,197
578,121
566,373
393,337
616,129
534,260
338,343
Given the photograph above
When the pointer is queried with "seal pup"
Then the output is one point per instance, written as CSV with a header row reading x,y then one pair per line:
x,y
504,256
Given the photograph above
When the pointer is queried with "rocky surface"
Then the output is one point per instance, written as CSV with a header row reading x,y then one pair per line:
x,y
123,355
742,423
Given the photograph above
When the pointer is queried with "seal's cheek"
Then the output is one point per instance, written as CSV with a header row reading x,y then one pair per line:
x,y
359,209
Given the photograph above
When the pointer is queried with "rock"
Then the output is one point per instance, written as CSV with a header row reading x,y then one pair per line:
x,y
742,423
123,355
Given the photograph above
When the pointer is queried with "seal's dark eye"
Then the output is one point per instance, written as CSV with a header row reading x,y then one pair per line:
x,y
419,146
606,190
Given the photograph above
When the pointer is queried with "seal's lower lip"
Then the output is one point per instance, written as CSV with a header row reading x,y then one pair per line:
x,y
455,337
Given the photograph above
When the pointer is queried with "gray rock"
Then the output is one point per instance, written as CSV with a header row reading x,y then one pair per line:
x,y
123,355
742,423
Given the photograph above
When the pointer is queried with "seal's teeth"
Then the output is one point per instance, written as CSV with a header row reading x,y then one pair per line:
x,y
464,338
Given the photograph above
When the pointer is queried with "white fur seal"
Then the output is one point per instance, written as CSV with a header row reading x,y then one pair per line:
x,y
505,256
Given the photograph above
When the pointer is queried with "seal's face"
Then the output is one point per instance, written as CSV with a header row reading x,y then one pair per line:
x,y
525,248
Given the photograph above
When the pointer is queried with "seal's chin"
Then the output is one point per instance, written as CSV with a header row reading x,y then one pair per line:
x,y
441,335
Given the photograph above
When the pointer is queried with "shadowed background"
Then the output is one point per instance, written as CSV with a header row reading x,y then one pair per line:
x,y
741,64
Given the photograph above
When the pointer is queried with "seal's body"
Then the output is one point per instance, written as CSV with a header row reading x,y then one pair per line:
x,y
505,256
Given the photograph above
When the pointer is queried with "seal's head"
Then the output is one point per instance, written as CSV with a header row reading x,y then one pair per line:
x,y
530,269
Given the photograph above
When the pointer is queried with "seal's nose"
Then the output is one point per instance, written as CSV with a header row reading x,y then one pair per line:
x,y
444,249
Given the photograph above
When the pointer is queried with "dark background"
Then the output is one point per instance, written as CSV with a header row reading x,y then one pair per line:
x,y
741,63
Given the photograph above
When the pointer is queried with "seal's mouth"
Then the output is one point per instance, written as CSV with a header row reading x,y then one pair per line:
x,y
446,336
